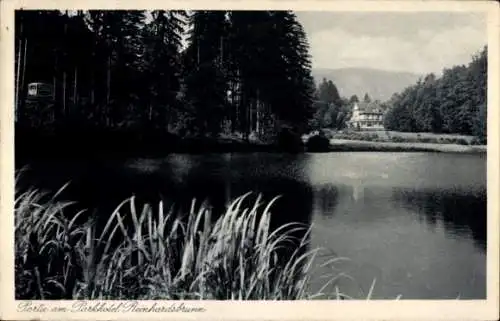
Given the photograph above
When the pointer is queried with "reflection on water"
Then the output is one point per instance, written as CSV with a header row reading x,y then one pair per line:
x,y
461,214
416,222
421,244
326,199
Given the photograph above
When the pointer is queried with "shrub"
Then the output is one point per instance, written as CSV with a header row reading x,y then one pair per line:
x,y
372,137
478,141
397,139
328,134
318,143
429,140
289,141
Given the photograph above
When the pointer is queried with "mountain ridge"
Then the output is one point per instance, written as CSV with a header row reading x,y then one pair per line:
x,y
378,83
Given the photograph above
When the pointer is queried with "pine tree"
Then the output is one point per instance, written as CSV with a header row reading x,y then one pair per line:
x,y
329,93
206,70
248,42
161,65
353,99
285,64
334,112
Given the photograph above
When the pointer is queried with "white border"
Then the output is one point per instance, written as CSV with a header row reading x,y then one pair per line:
x,y
297,310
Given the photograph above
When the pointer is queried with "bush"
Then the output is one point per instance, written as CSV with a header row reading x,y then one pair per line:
x,y
318,143
289,141
328,134
429,140
462,141
371,137
397,139
478,141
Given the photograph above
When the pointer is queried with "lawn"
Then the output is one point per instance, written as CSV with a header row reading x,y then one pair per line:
x,y
403,137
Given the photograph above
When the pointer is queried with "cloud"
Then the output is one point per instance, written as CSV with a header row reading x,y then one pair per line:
x,y
402,42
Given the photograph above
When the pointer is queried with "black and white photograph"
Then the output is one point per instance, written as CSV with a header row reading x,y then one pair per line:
x,y
249,155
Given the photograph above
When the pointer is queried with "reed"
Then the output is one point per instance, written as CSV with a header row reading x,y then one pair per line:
x,y
162,255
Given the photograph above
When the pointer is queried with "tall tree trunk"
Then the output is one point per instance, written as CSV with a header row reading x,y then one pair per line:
x,y
198,53
23,76
54,77
54,85
65,64
75,88
92,85
221,50
234,106
108,92
64,95
23,73
108,81
257,116
250,116
18,75
244,111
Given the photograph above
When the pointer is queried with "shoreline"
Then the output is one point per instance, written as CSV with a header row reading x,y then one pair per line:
x,y
344,145
25,153
95,146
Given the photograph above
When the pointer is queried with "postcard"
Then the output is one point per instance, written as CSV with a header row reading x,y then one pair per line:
x,y
231,160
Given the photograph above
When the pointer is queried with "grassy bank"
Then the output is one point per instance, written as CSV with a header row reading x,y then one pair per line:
x,y
137,254
389,141
385,136
337,145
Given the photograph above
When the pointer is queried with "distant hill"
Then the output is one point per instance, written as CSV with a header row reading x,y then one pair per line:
x,y
379,84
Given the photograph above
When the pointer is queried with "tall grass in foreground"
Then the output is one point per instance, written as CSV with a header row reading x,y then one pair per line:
x,y
161,256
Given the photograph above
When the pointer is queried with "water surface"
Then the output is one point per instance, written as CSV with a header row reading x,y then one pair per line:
x,y
415,222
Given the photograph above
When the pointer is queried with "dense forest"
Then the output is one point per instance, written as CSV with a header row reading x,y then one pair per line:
x,y
453,103
330,109
200,73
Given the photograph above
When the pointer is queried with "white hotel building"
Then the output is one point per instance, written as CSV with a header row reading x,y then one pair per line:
x,y
366,116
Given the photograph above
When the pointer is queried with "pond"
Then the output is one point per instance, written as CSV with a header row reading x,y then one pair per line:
x,y
414,222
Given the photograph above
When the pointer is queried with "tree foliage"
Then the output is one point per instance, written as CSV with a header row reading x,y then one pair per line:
x,y
453,103
330,109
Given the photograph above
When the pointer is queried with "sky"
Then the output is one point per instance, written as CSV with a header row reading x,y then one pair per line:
x,y
415,42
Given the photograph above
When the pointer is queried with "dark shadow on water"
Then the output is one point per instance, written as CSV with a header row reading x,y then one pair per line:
x,y
101,186
462,213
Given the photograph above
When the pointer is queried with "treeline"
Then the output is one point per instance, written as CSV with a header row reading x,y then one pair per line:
x,y
333,111
240,72
330,109
456,102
